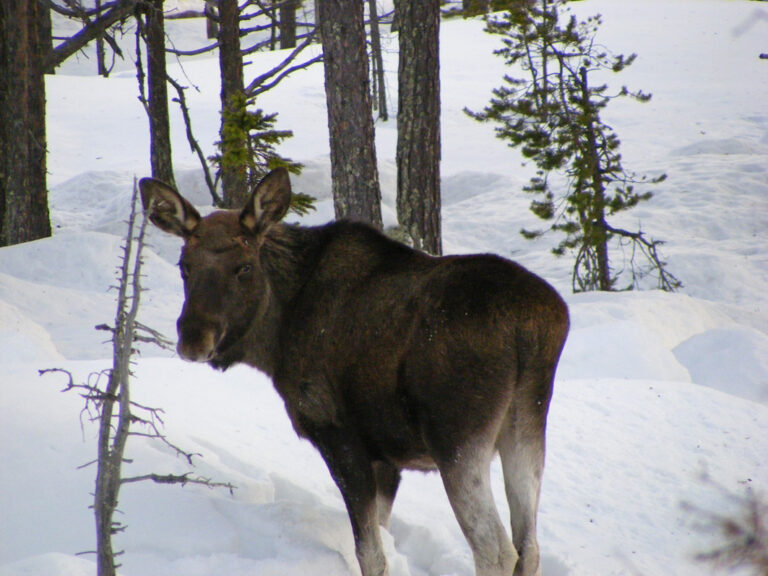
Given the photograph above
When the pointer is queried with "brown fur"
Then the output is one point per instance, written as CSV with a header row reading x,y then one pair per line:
x,y
386,358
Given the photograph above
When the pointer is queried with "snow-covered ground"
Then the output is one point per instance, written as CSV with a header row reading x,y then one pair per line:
x,y
654,390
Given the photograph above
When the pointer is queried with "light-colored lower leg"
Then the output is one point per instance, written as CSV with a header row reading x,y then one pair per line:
x,y
368,545
522,459
469,491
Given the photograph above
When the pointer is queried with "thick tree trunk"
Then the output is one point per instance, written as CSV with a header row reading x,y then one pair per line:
x,y
418,123
355,175
288,24
23,194
233,175
159,123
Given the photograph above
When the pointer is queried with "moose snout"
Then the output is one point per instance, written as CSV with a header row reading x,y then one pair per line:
x,y
198,339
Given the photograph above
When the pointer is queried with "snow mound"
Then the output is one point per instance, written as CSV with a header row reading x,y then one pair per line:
x,y
726,146
734,360
602,352
22,339
65,285
52,563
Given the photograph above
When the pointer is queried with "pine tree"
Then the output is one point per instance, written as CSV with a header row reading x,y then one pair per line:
x,y
553,116
249,139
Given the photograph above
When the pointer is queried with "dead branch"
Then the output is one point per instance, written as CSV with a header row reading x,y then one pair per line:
x,y
78,11
195,52
185,14
182,479
154,337
193,143
649,248
118,11
257,85
111,406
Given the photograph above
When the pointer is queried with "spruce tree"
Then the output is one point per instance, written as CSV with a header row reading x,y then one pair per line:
x,y
553,116
250,140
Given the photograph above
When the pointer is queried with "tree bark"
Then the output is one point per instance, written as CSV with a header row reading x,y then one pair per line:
x,y
475,7
159,123
23,194
377,68
288,24
418,123
598,226
356,192
233,176
101,65
211,23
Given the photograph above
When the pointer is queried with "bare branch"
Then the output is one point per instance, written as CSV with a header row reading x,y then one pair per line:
x,y
154,337
87,464
193,143
195,52
78,11
257,85
186,14
188,456
120,10
182,479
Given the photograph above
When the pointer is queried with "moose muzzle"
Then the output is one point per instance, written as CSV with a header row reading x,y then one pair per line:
x,y
198,338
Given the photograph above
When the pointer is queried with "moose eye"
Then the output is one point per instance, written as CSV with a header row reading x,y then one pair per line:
x,y
243,270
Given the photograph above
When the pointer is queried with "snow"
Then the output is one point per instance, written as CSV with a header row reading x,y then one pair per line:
x,y
654,393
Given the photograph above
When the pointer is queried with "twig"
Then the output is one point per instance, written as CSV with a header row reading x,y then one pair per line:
x,y
182,479
193,143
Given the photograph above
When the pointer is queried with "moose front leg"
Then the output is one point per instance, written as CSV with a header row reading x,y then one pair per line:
x,y
387,480
352,470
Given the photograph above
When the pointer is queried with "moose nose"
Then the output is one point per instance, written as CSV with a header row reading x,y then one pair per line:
x,y
197,340
200,351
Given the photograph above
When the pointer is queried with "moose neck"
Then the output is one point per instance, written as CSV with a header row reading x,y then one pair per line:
x,y
288,257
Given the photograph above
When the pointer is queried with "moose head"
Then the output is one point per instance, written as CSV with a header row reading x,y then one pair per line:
x,y
226,290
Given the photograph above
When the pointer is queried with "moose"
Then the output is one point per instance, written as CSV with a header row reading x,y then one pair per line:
x,y
386,358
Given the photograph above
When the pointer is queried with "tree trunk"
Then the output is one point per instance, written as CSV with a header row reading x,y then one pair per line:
x,y
101,66
418,123
288,24
233,174
475,7
211,25
45,37
356,192
159,123
23,194
599,239
377,68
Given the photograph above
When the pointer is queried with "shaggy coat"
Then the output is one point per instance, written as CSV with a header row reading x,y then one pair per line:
x,y
386,358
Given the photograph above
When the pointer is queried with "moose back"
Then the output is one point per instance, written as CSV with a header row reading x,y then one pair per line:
x,y
386,358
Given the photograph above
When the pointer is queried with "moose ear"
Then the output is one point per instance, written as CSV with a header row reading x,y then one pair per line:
x,y
167,209
268,203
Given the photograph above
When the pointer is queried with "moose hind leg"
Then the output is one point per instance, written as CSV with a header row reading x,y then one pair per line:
x,y
468,486
521,448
